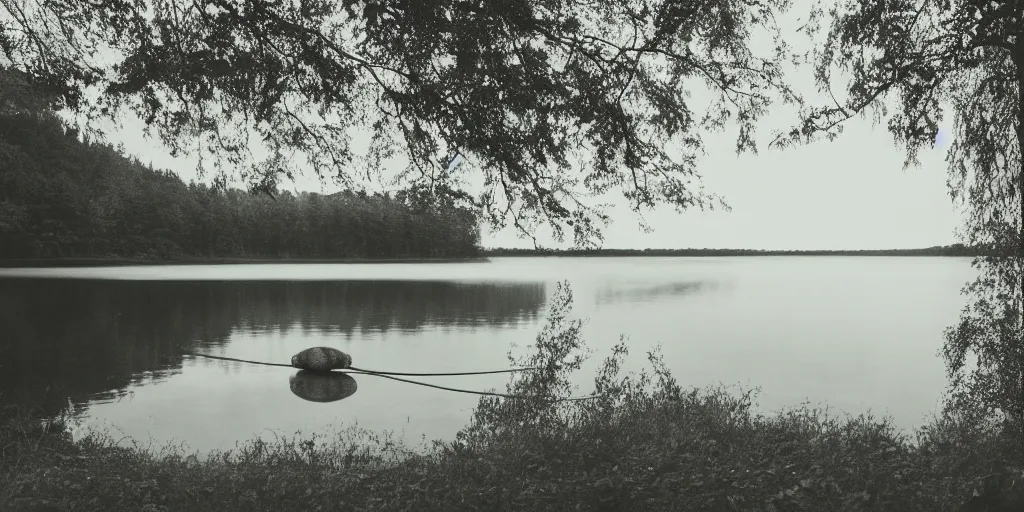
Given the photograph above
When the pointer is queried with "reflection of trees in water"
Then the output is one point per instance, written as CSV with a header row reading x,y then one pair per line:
x,y
351,306
664,290
76,340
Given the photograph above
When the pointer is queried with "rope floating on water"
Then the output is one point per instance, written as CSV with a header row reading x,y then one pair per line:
x,y
389,375
376,372
487,393
444,374
222,358
324,359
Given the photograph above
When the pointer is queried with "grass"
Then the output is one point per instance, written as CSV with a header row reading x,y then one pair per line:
x,y
644,444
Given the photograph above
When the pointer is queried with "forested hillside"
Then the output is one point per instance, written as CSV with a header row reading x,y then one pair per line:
x,y
61,196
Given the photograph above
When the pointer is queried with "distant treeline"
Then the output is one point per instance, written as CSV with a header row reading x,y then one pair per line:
x,y
948,250
62,197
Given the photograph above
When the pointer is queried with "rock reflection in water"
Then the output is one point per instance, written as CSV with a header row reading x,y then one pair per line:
x,y
322,386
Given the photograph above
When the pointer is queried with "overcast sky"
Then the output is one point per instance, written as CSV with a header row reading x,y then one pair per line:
x,y
849,194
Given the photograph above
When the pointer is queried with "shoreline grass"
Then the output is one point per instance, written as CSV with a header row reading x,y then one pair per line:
x,y
644,444
702,450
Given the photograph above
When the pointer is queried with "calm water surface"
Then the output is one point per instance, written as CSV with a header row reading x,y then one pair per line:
x,y
853,333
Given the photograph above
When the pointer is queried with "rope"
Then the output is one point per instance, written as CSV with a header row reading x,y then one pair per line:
x,y
353,368
444,374
388,375
237,360
488,393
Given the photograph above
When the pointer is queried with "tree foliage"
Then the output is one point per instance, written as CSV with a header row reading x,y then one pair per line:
x,y
62,196
922,58
548,100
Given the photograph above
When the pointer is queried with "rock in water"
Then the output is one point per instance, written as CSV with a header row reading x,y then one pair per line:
x,y
322,387
322,359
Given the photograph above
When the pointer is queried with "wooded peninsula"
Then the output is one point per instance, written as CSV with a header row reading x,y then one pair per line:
x,y
64,198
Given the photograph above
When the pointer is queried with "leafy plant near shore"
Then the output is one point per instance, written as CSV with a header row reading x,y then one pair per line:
x,y
643,444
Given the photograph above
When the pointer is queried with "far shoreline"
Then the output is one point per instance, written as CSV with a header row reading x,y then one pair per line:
x,y
956,250
485,257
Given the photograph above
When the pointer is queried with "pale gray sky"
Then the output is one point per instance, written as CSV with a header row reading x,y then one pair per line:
x,y
847,194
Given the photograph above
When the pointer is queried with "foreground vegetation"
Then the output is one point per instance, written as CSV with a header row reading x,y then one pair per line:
x,y
643,444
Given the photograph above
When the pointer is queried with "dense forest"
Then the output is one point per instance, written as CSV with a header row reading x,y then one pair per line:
x,y
949,250
62,196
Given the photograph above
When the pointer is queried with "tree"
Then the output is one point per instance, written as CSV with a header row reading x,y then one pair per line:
x,y
547,100
966,56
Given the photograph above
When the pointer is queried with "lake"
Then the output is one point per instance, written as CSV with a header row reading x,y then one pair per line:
x,y
852,333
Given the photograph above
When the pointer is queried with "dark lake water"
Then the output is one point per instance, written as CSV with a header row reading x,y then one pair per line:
x,y
855,333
